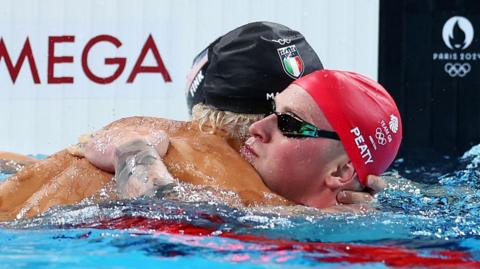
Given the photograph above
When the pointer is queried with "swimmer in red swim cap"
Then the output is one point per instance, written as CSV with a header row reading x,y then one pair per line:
x,y
327,128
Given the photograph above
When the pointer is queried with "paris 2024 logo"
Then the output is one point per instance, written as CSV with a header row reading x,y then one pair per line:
x,y
457,34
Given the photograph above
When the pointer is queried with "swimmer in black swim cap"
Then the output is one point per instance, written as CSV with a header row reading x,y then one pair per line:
x,y
289,62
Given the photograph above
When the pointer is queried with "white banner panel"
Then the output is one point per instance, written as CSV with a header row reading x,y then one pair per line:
x,y
87,63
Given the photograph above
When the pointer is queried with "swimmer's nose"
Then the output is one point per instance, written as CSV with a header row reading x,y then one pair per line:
x,y
262,129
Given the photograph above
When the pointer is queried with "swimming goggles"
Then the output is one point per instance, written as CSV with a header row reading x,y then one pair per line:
x,y
293,126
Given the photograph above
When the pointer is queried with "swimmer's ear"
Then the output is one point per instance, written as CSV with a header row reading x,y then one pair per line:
x,y
340,176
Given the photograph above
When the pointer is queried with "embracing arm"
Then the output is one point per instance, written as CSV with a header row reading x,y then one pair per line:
x,y
99,148
134,154
139,169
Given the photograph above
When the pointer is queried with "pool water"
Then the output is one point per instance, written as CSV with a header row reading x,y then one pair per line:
x,y
430,220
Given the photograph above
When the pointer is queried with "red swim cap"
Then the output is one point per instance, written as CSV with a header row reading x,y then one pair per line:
x,y
363,114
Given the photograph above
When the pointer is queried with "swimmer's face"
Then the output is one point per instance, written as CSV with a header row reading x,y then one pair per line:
x,y
292,167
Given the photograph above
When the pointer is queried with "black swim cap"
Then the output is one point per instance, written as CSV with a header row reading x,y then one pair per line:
x,y
242,70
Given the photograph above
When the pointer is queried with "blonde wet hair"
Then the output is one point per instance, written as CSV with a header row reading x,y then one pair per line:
x,y
211,119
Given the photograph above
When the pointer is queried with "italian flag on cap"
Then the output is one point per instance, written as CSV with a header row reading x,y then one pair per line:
x,y
291,61
293,65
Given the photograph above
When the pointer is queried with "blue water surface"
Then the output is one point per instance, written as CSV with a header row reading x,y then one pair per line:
x,y
429,216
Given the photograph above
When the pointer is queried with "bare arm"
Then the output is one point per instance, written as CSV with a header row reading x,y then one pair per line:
x,y
139,170
99,148
134,154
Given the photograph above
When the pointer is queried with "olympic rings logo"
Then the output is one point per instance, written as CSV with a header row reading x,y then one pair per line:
x,y
457,69
380,136
282,41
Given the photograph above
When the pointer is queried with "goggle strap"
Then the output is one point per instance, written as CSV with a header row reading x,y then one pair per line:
x,y
328,134
319,134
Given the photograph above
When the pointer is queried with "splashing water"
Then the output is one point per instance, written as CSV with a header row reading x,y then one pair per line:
x,y
426,217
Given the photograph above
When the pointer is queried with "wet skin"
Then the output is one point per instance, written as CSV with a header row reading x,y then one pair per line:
x,y
308,171
193,157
